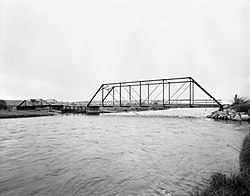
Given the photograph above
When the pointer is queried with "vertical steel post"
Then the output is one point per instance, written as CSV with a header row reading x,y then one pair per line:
x,y
163,92
190,94
169,96
148,94
129,95
140,95
120,94
102,95
193,91
113,96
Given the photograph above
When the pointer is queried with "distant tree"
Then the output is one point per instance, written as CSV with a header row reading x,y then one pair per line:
x,y
3,104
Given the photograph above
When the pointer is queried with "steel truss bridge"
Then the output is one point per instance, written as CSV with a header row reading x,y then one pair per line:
x,y
51,104
182,92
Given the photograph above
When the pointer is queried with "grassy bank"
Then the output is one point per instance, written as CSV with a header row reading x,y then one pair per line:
x,y
24,113
235,184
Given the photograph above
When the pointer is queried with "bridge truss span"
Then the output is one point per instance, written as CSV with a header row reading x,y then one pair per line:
x,y
51,104
162,93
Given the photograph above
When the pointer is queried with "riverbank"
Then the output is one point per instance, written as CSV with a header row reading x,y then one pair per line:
x,y
25,113
236,184
229,114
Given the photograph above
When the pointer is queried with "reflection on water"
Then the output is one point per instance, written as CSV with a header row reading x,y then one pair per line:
x,y
114,154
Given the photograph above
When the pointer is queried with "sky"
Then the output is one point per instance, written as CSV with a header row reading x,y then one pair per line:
x,y
65,49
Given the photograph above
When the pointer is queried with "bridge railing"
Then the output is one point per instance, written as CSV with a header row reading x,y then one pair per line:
x,y
151,103
206,101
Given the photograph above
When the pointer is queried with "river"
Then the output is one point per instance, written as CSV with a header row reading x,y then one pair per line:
x,y
145,153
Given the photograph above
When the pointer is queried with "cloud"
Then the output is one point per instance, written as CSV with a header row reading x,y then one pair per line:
x,y
69,48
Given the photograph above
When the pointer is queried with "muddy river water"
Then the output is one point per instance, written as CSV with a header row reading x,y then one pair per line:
x,y
146,153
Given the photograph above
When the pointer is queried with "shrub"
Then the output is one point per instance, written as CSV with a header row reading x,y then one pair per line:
x,y
245,157
3,104
236,184
222,185
242,105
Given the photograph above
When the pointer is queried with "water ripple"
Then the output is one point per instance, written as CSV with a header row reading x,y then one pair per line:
x,y
113,154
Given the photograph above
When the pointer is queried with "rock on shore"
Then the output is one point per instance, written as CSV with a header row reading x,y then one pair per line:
x,y
229,114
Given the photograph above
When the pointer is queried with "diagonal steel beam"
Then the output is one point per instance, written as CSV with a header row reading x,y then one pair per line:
x,y
95,95
197,84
